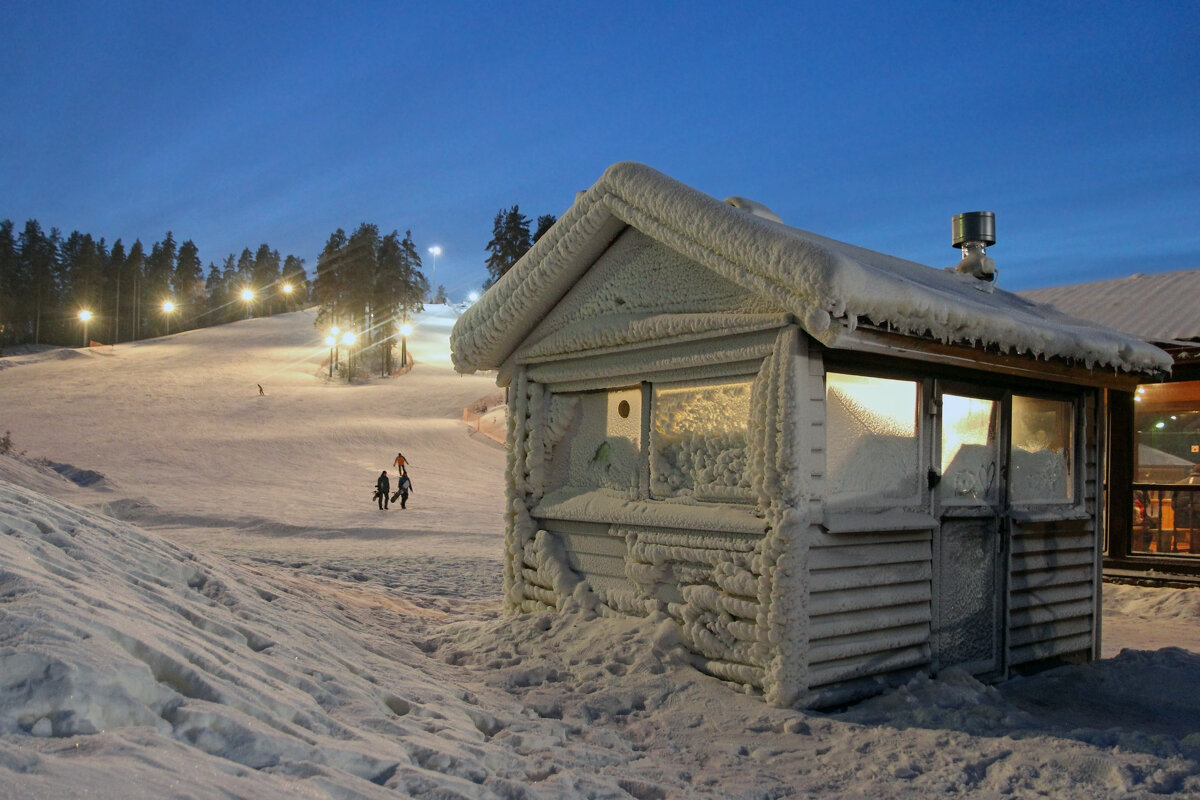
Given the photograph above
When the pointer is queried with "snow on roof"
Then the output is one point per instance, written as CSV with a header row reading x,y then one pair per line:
x,y
827,285
1157,308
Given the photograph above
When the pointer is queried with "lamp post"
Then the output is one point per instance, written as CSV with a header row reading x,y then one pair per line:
x,y
286,288
331,340
405,330
333,332
248,298
348,339
84,316
434,251
168,307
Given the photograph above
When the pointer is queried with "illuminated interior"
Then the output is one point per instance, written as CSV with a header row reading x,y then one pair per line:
x,y
1166,489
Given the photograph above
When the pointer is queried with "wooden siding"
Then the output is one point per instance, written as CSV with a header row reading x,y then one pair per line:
x,y
870,607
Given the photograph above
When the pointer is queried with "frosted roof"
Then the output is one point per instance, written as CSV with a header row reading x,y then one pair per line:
x,y
1158,307
824,283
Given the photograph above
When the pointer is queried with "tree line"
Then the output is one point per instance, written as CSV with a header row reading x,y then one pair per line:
x,y
369,285
511,239
47,280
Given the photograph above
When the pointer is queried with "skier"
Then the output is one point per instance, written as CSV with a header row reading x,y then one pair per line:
x,y
403,487
382,487
400,463
260,391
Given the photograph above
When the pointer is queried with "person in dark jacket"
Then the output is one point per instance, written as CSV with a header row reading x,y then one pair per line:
x,y
382,487
403,487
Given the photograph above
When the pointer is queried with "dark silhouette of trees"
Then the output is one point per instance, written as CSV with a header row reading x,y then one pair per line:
x,y
47,280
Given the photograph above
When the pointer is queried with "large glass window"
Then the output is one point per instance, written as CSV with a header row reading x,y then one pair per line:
x,y
1043,446
698,436
872,453
1166,491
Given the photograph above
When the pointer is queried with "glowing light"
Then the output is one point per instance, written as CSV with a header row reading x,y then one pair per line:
x,y
168,306
85,315
287,288
335,330
406,329
473,296
1160,425
331,340
247,294
348,338
435,251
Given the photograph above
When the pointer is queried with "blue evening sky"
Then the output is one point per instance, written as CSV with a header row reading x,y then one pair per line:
x,y
234,124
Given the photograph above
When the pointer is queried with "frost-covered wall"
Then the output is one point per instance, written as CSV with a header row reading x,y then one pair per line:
x,y
704,528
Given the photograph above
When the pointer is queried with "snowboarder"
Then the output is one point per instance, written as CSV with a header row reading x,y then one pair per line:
x,y
400,463
403,487
260,391
382,487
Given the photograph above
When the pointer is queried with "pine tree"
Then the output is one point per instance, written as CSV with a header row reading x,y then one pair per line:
x,y
187,282
510,240
135,276
114,267
38,262
326,288
543,224
295,277
11,290
266,277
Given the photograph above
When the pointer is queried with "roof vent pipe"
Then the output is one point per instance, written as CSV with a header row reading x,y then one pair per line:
x,y
973,232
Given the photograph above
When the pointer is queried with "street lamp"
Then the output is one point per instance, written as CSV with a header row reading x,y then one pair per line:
x,y
333,332
331,340
434,251
84,316
168,307
405,330
286,288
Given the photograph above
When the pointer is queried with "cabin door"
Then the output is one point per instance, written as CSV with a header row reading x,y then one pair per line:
x,y
967,478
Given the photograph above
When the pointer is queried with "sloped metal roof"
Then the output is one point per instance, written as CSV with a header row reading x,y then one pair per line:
x,y
1159,308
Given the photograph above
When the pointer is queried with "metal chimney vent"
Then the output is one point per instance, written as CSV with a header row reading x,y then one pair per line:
x,y
973,232
975,226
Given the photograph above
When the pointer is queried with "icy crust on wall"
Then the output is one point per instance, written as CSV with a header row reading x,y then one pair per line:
x,y
738,598
821,281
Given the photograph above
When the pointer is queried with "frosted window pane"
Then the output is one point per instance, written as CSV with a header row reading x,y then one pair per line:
x,y
604,448
1042,448
872,450
698,435
969,450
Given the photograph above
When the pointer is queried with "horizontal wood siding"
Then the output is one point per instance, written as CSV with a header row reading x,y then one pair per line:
x,y
869,604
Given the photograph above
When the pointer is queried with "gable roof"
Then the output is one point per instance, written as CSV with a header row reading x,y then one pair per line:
x,y
827,285
1159,308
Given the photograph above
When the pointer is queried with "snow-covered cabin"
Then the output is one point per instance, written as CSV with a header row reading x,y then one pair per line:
x,y
832,468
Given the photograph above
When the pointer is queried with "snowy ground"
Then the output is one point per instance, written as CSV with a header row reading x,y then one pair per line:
x,y
199,599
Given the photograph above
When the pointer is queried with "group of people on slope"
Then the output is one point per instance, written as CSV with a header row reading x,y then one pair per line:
x,y
383,485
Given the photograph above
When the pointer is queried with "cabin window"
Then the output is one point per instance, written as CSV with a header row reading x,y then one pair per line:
x,y
1166,488
970,450
1042,455
698,436
604,433
872,451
